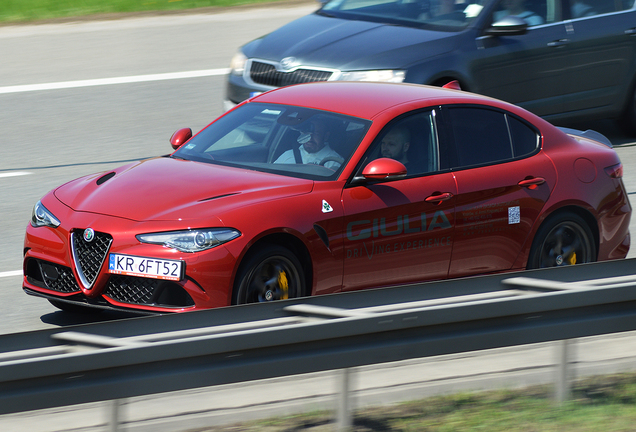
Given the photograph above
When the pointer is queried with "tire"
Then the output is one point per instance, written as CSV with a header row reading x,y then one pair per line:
x,y
73,308
270,273
627,121
564,239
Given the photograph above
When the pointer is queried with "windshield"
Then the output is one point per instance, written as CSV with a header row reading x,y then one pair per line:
x,y
445,14
288,140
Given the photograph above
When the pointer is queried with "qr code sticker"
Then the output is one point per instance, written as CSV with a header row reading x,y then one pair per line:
x,y
514,215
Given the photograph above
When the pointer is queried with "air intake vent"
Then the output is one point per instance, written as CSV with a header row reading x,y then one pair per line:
x,y
105,178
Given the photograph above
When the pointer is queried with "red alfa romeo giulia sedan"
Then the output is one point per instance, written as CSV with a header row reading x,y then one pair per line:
x,y
330,187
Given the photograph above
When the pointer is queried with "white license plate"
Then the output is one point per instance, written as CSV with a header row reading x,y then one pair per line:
x,y
145,267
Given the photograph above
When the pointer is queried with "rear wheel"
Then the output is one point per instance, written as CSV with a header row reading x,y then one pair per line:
x,y
564,239
628,119
270,273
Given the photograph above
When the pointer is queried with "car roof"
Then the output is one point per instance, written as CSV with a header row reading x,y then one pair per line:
x,y
368,99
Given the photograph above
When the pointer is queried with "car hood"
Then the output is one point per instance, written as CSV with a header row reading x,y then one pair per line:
x,y
321,41
164,188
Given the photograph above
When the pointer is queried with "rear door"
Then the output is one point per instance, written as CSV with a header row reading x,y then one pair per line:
x,y
503,181
600,54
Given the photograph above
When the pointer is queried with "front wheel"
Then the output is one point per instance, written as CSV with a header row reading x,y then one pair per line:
x,y
562,240
271,273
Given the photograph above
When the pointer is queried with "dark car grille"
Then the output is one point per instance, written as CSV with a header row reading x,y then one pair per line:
x,y
52,276
89,256
145,291
266,74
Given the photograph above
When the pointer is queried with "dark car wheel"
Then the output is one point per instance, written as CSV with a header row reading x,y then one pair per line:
x,y
271,273
564,239
628,119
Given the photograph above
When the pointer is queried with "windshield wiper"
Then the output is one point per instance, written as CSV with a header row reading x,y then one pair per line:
x,y
325,14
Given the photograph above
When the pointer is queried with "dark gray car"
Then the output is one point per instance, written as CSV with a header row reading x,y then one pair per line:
x,y
561,59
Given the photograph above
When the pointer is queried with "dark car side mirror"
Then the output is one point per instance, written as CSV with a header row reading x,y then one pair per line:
x,y
508,26
384,169
180,137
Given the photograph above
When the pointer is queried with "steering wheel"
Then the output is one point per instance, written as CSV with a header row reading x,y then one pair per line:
x,y
331,159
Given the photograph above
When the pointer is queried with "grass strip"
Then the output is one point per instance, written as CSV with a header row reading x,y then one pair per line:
x,y
603,403
21,11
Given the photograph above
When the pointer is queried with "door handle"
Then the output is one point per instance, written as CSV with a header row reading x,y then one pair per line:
x,y
532,182
630,32
436,199
558,43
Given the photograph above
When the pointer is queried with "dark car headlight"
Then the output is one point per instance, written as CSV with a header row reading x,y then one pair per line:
x,y
195,240
396,76
41,216
237,64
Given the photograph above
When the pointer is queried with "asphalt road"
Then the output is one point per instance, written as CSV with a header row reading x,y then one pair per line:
x,y
86,96
53,133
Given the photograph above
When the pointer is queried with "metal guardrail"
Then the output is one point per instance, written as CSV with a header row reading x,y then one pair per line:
x,y
127,358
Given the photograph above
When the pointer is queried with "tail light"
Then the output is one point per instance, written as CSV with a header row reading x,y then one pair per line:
x,y
615,171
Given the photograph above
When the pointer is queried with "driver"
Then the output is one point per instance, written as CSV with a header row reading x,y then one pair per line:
x,y
516,8
314,147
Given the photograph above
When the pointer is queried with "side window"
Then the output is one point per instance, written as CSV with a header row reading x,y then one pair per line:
x,y
484,136
411,140
524,139
481,136
587,8
534,12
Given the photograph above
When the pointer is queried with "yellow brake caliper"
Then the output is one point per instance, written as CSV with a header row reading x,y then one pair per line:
x,y
283,284
572,259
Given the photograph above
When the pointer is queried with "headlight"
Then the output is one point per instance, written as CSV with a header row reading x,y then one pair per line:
x,y
374,75
237,64
191,240
42,217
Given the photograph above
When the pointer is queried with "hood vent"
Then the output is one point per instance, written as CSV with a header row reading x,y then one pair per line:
x,y
105,178
219,196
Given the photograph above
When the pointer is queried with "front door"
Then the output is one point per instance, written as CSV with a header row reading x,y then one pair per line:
x,y
401,231
529,69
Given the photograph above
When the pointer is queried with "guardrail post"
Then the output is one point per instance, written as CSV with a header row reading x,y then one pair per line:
x,y
563,381
114,409
344,420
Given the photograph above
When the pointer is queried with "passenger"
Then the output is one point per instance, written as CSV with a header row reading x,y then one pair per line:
x,y
314,147
517,9
395,145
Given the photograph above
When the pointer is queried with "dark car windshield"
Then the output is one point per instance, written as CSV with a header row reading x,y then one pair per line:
x,y
442,14
288,140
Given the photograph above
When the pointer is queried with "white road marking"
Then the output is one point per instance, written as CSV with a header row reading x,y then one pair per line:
x,y
110,81
11,273
14,174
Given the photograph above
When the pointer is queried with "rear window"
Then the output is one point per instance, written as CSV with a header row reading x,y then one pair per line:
x,y
484,136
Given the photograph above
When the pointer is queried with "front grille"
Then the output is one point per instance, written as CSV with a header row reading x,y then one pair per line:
x,y
89,255
146,291
266,74
130,289
52,276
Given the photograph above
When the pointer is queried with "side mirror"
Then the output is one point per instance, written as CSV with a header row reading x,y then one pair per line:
x,y
384,169
508,26
180,137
